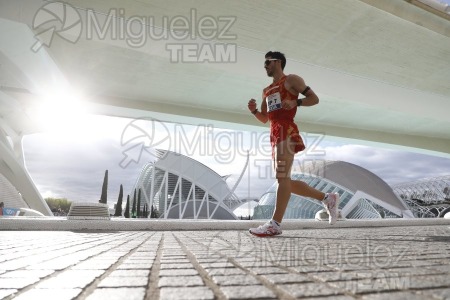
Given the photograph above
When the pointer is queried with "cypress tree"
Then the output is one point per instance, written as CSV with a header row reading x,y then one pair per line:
x,y
153,213
127,208
104,196
118,211
133,209
138,214
145,215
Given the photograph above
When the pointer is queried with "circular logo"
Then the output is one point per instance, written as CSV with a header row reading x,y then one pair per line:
x,y
143,134
56,18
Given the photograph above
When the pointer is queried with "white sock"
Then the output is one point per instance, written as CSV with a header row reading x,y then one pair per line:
x,y
276,223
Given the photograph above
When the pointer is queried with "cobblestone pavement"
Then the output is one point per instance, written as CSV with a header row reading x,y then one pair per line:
x,y
337,263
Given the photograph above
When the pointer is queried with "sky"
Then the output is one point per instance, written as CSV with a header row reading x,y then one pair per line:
x,y
70,162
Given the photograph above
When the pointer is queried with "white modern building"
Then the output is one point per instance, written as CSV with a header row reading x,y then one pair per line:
x,y
428,197
179,187
363,194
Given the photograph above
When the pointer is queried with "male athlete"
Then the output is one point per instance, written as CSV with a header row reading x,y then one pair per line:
x,y
279,106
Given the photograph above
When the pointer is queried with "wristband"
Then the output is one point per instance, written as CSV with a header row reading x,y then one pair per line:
x,y
299,102
255,111
306,90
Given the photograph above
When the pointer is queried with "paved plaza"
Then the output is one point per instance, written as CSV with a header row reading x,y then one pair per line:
x,y
393,262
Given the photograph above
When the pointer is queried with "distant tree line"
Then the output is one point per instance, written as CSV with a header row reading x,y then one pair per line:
x,y
133,209
137,210
58,206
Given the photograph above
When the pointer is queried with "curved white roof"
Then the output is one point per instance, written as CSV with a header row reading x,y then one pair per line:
x,y
354,178
194,171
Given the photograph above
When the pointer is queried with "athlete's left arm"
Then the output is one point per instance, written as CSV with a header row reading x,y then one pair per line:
x,y
296,85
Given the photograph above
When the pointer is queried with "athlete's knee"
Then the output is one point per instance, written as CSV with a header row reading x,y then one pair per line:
x,y
282,169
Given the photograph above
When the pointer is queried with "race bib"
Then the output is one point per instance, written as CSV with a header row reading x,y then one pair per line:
x,y
273,102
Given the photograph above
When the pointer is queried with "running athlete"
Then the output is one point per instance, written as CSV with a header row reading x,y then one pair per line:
x,y
279,106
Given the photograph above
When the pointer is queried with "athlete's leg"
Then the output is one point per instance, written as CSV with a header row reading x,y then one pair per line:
x,y
284,157
301,188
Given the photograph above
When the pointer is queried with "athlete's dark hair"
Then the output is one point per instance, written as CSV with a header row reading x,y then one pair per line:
x,y
277,55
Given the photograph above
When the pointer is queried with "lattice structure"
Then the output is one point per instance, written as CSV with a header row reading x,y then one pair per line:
x,y
363,194
428,197
9,195
179,187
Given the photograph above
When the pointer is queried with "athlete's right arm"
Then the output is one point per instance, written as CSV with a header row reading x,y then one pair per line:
x,y
260,115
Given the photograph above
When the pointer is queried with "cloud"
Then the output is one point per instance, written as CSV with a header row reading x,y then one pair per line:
x,y
74,168
393,166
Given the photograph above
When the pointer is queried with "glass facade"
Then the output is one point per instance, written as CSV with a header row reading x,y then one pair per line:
x,y
306,208
179,187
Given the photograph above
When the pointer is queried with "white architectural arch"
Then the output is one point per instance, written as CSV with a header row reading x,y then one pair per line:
x,y
15,180
363,194
179,187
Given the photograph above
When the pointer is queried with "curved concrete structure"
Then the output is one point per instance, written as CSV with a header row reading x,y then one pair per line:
x,y
179,187
363,194
355,178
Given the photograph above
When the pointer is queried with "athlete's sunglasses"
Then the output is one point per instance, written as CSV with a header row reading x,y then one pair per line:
x,y
267,62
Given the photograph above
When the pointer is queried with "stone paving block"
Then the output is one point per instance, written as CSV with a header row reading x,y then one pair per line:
x,y
55,264
286,278
394,296
300,290
175,266
167,255
426,263
186,293
373,285
437,293
428,281
414,271
217,265
130,273
258,264
96,264
247,292
356,275
177,272
338,297
143,255
134,281
6,292
49,294
70,279
268,270
133,267
313,268
225,271
137,293
27,273
184,281
17,283
174,260
139,261
443,268
240,280
17,263
206,260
